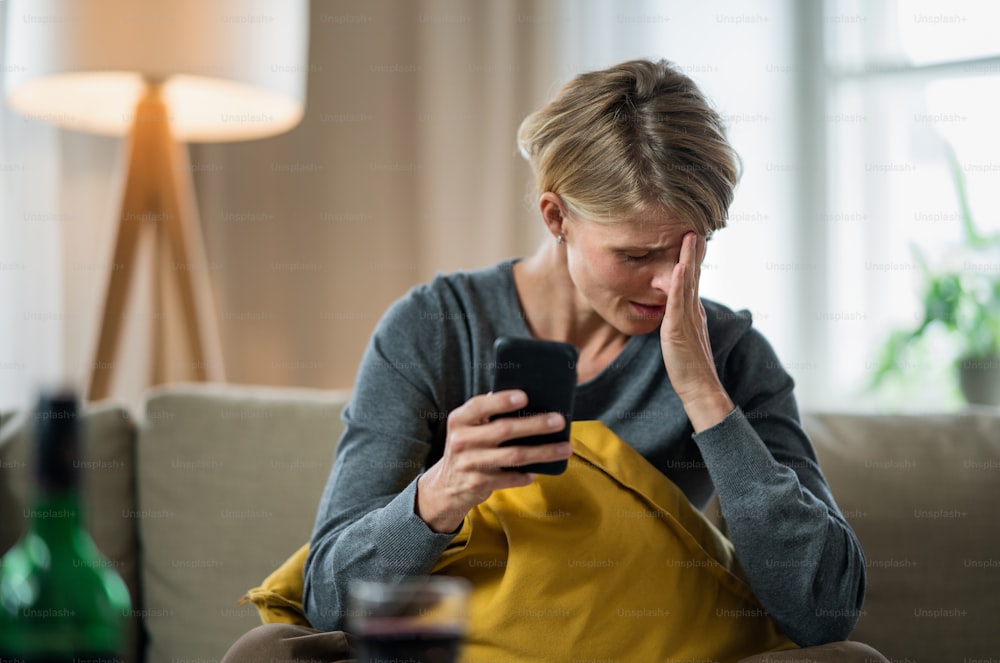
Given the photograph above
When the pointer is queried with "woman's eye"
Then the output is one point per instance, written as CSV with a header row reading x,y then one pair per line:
x,y
631,257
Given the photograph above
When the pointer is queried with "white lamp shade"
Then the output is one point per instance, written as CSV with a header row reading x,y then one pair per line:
x,y
231,69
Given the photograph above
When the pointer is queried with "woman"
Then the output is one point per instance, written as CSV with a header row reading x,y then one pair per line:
x,y
634,174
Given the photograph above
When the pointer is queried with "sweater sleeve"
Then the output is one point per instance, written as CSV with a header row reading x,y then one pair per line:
x,y
801,557
366,525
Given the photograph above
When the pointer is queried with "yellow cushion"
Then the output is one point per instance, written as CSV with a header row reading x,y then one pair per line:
x,y
279,598
608,561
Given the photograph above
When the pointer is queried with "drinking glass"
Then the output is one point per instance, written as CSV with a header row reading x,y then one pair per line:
x,y
419,619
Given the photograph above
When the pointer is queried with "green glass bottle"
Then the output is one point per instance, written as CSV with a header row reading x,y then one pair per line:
x,y
60,598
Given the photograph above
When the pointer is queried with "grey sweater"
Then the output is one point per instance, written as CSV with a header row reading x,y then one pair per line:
x,y
432,351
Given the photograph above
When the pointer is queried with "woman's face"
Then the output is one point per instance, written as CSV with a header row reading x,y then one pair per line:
x,y
623,267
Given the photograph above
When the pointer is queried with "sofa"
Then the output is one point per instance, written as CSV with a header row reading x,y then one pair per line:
x,y
203,493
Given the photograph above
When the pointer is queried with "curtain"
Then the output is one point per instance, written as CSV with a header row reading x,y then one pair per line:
x,y
56,201
404,165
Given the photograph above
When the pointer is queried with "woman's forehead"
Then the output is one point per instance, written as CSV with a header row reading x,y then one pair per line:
x,y
648,228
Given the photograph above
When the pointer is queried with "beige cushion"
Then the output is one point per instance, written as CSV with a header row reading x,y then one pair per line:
x,y
229,480
922,493
109,498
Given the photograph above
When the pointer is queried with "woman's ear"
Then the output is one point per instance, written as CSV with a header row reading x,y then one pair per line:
x,y
553,212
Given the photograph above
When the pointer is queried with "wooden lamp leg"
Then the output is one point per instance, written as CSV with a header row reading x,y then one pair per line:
x,y
155,201
190,272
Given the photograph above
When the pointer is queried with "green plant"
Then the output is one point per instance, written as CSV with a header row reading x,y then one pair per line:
x,y
963,302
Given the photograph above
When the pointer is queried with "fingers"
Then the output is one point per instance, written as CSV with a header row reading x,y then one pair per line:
x,y
473,461
697,245
683,304
492,434
515,455
479,409
512,480
693,254
476,439
677,297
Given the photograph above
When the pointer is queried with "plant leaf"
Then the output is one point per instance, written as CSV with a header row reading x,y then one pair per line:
x,y
972,236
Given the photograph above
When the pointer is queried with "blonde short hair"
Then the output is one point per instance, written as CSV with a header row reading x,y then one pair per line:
x,y
635,136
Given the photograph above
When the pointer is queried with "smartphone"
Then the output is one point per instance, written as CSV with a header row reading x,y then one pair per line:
x,y
546,371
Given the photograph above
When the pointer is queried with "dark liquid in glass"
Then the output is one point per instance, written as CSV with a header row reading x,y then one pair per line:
x,y
408,647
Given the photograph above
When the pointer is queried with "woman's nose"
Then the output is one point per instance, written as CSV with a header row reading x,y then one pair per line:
x,y
661,277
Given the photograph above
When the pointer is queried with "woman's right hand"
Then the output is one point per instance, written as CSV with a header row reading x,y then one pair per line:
x,y
471,467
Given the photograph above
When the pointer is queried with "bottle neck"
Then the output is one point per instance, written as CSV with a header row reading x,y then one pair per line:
x,y
56,510
55,515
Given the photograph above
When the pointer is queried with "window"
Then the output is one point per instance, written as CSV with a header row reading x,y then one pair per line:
x,y
907,83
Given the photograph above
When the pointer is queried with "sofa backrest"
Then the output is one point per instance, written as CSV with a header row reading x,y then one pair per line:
x,y
228,483
921,492
222,482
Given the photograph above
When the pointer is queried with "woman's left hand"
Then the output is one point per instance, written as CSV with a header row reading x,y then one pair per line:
x,y
687,351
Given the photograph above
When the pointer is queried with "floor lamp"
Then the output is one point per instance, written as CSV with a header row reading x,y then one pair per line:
x,y
163,74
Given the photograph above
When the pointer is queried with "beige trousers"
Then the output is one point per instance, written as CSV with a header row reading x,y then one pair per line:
x,y
284,643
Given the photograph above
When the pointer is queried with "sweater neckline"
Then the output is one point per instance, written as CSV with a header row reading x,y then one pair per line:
x,y
626,356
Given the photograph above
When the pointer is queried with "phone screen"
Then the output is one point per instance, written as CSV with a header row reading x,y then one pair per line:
x,y
546,371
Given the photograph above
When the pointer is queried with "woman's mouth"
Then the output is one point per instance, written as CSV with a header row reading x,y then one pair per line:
x,y
649,310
